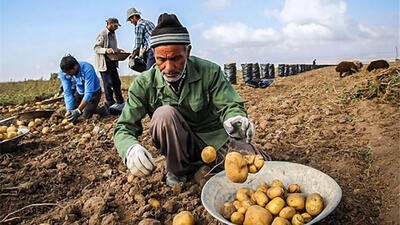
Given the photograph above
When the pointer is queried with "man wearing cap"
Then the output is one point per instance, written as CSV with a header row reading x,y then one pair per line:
x,y
143,29
190,103
106,43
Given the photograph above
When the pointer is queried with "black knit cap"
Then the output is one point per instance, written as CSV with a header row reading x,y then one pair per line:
x,y
169,31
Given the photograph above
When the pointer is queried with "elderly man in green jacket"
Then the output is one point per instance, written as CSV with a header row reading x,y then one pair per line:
x,y
191,106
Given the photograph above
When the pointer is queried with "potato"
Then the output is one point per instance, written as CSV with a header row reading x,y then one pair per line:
x,y
263,187
242,210
257,215
247,203
86,136
227,209
297,220
31,124
38,120
19,133
275,191
64,122
307,217
275,205
250,192
11,134
277,183
252,169
68,126
11,129
20,123
45,130
130,178
2,137
296,200
280,221
249,159
259,161
242,194
183,218
68,113
314,204
261,198
3,129
294,188
236,167
237,204
287,212
237,218
154,203
208,155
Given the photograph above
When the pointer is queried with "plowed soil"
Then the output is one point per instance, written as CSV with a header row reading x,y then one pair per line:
x,y
302,119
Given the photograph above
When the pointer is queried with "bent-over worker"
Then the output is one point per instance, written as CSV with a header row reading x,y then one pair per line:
x,y
191,106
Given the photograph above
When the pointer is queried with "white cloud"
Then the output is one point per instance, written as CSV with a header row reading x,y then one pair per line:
x,y
240,34
325,12
321,29
217,4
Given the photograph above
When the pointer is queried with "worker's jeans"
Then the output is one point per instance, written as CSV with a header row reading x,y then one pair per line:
x,y
112,83
173,137
149,58
91,107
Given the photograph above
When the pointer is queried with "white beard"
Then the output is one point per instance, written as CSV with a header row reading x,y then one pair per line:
x,y
172,80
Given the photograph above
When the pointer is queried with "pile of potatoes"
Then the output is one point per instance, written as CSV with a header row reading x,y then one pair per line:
x,y
273,204
38,126
237,167
9,132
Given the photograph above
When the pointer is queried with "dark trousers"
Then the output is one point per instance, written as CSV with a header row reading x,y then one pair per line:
x,y
91,107
149,58
172,135
112,83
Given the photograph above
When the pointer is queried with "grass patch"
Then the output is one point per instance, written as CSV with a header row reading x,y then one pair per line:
x,y
366,156
12,93
16,93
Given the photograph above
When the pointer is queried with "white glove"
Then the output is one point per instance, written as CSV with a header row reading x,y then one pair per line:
x,y
139,161
239,127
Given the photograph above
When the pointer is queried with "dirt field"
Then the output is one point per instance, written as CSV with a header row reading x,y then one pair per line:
x,y
307,118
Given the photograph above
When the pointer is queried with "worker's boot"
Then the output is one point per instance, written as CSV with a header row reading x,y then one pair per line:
x,y
172,179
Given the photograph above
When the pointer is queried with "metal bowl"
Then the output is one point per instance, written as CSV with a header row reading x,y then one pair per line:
x,y
219,189
119,56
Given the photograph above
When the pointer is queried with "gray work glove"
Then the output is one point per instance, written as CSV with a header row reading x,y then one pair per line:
x,y
239,127
74,115
139,161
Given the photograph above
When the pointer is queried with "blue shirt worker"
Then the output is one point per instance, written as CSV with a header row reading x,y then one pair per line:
x,y
88,90
106,43
143,29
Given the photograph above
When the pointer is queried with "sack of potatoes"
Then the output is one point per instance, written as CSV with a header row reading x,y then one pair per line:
x,y
272,204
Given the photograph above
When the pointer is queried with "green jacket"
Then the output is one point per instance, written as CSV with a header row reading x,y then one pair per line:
x,y
206,101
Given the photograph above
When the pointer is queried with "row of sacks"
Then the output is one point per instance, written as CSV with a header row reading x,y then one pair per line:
x,y
254,74
285,70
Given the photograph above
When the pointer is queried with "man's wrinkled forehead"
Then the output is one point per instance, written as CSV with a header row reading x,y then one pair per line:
x,y
167,51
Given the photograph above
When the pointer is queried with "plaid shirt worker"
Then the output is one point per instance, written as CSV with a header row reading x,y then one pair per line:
x,y
143,31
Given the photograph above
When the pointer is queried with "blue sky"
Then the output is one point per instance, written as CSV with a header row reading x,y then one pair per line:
x,y
34,35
